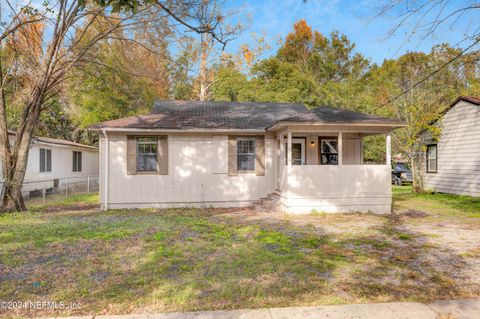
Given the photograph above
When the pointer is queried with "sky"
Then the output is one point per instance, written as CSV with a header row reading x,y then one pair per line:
x,y
356,19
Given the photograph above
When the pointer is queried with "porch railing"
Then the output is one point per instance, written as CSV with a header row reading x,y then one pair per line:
x,y
340,180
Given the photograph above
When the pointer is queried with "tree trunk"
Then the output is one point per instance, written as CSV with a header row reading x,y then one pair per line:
x,y
203,96
414,175
205,49
16,168
12,198
15,164
416,166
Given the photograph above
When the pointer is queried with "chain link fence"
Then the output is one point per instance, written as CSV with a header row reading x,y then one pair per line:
x,y
40,192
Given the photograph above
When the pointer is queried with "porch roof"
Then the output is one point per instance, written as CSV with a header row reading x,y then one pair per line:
x,y
196,115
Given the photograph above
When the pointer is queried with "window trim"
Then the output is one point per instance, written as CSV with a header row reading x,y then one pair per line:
x,y
428,159
46,151
145,172
295,140
320,153
247,138
73,162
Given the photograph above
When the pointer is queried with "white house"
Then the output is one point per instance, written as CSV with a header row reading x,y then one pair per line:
x,y
230,154
452,162
55,163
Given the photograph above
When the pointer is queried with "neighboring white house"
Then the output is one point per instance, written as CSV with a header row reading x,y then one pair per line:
x,y
57,162
230,154
453,159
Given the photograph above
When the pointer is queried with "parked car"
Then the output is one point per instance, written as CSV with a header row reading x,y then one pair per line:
x,y
401,174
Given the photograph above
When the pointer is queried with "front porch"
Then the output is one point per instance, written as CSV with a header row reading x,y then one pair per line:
x,y
322,169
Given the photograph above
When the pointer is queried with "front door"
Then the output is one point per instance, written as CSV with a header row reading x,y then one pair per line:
x,y
298,151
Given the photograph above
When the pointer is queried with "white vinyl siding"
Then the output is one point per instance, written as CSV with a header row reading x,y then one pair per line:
x,y
458,152
61,159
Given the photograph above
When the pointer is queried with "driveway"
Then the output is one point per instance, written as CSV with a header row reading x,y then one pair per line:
x,y
451,309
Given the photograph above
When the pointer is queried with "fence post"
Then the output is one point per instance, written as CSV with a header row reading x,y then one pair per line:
x,y
43,194
88,184
66,189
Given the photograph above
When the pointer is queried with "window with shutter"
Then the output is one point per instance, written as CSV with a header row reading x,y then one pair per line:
x,y
147,152
246,154
45,160
77,161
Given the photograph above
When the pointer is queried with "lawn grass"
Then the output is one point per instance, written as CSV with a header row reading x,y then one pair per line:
x,y
445,204
149,260
167,260
59,200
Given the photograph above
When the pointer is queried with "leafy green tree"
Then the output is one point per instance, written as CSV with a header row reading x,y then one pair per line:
x,y
327,59
232,85
271,81
330,61
122,78
99,94
277,81
182,87
57,123
393,91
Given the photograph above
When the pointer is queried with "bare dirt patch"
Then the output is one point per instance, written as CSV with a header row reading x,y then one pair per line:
x,y
412,213
70,208
409,250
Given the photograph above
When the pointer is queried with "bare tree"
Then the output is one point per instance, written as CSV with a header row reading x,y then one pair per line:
x,y
44,60
426,18
202,17
215,31
210,13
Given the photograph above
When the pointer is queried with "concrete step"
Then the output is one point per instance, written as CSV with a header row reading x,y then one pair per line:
x,y
266,204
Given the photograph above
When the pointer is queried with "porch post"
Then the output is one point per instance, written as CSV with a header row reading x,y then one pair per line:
x,y
361,149
389,150
289,148
282,150
340,148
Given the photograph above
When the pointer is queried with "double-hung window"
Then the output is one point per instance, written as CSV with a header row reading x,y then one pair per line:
x,y
329,151
246,154
431,158
45,160
77,161
147,154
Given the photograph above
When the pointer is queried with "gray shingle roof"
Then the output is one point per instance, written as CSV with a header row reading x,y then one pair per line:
x,y
185,115
49,140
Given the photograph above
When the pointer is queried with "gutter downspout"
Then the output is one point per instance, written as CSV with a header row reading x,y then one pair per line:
x,y
105,185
